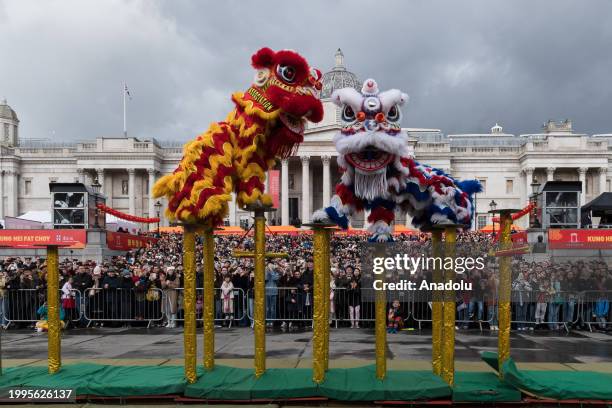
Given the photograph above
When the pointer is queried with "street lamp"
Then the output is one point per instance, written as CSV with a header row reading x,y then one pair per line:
x,y
493,207
96,187
158,206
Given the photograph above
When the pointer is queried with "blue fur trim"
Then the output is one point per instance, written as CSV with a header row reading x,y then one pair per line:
x,y
414,190
341,220
470,186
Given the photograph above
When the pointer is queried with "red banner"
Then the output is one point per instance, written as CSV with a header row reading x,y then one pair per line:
x,y
69,238
274,187
580,238
124,242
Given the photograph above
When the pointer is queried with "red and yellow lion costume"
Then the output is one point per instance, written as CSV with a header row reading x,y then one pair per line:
x,y
234,155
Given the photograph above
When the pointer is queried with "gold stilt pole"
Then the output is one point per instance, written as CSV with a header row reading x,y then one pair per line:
x,y
381,324
505,286
209,299
53,310
326,294
318,317
189,301
437,306
259,292
448,336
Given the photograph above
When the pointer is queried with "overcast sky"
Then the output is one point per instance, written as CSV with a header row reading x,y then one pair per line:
x,y
465,64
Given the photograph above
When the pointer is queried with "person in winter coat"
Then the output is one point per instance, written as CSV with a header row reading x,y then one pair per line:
x,y
169,285
227,299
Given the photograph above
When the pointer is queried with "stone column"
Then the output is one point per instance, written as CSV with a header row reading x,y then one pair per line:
x,y
13,190
582,175
151,173
603,178
326,181
232,210
131,190
550,173
2,194
528,178
305,189
81,174
285,191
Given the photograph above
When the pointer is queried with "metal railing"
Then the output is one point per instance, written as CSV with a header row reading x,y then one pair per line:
x,y
122,305
231,307
24,305
595,309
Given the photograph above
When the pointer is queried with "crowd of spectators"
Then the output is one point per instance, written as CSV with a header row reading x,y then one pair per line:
x,y
143,287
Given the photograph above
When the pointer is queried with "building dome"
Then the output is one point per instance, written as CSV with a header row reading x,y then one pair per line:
x,y
6,112
338,77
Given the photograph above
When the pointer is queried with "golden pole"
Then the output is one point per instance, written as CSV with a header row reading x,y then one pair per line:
x,y
381,323
505,285
318,316
259,289
53,310
448,339
326,293
189,303
209,299
437,308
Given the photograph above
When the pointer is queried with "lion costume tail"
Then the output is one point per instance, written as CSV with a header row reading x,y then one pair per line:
x,y
198,191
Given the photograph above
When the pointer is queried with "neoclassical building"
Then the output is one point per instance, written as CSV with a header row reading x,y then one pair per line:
x,y
126,167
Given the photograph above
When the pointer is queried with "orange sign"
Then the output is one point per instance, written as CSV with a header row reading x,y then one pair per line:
x,y
69,238
580,238
124,242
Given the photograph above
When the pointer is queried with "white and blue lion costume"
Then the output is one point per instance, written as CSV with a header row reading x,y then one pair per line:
x,y
379,173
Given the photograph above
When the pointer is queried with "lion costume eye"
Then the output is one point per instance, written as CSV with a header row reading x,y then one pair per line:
x,y
394,114
286,73
348,114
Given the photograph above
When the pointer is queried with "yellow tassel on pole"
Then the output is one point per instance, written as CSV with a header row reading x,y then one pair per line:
x,y
189,303
437,306
448,336
209,299
505,286
53,310
259,293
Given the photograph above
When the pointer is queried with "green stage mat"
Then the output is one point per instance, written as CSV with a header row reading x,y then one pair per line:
x,y
554,384
483,387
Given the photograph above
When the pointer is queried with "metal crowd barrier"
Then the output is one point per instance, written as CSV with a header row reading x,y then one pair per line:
x,y
550,308
596,309
236,306
21,305
122,305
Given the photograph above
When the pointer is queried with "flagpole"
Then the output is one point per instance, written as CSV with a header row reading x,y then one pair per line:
x,y
124,111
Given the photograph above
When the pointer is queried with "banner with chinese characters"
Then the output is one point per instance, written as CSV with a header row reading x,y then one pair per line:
x,y
274,187
29,238
580,238
124,242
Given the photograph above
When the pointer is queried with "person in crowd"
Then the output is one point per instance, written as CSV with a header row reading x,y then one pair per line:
x,y
227,296
354,302
272,278
169,284
42,324
395,321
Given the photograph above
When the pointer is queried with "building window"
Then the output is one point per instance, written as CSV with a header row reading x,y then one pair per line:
x,y
15,136
6,132
482,222
27,184
125,190
483,183
510,186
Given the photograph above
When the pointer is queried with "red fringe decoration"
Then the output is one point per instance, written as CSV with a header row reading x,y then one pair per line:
x,y
519,214
108,210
